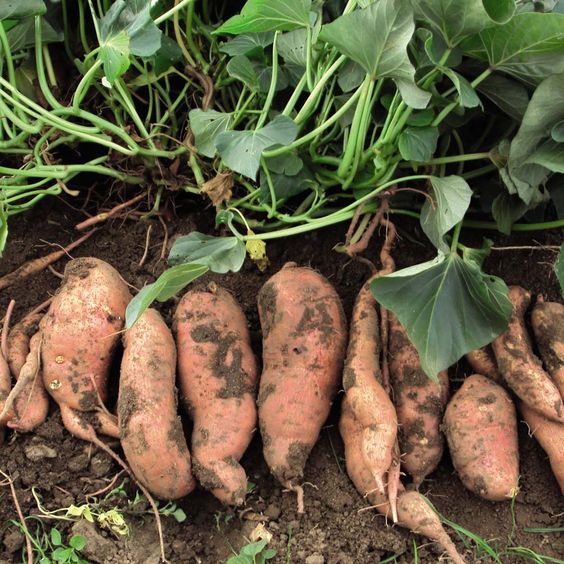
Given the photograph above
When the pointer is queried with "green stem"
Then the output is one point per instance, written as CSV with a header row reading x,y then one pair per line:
x,y
53,102
291,104
459,158
172,11
309,62
84,84
272,89
455,236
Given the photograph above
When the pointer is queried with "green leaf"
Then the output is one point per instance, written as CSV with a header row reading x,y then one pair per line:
x,y
467,95
77,542
457,19
17,9
22,36
292,47
62,554
179,515
421,119
506,93
557,132
167,56
248,44
451,196
220,254
559,268
506,210
241,150
268,15
530,46
167,284
254,548
56,538
206,125
418,143
285,184
478,256
350,76
127,27
549,155
453,308
411,94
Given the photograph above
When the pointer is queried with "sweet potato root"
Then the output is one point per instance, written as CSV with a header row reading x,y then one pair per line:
x,y
420,405
550,435
304,339
414,513
362,380
150,428
481,429
79,334
547,320
520,368
482,361
217,377
31,406
5,387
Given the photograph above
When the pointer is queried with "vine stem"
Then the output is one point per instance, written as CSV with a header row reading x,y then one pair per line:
x,y
456,236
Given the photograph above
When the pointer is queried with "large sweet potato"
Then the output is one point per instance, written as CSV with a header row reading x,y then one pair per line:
x,y
362,380
79,334
547,320
217,377
414,512
420,404
481,429
520,368
304,338
150,428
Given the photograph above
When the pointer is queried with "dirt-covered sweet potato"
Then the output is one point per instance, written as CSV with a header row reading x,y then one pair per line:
x,y
217,373
481,429
550,436
362,380
5,387
31,406
520,368
482,361
547,320
414,513
150,428
420,405
79,334
304,339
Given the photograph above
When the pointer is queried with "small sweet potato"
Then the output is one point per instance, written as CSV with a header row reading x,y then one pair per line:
x,y
550,436
414,512
520,368
79,334
304,339
362,380
150,428
547,320
420,405
31,406
217,376
5,387
481,429
482,361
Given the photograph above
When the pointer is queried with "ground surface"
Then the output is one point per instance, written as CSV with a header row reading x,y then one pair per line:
x,y
62,469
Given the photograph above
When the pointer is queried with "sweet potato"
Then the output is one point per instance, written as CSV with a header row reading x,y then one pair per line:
x,y
481,429
304,339
547,320
550,435
362,380
5,387
520,368
150,428
414,512
420,404
79,334
31,406
218,377
482,361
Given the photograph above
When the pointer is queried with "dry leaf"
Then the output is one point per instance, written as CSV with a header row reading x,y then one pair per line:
x,y
220,188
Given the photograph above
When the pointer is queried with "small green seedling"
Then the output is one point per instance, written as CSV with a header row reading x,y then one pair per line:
x,y
253,553
65,554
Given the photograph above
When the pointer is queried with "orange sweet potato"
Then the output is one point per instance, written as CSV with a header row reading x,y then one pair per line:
x,y
304,339
547,320
420,405
362,380
31,405
79,334
150,428
520,368
414,512
482,361
550,435
218,377
481,429
5,387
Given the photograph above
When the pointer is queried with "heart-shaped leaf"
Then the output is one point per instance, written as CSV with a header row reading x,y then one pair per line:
x,y
206,125
418,143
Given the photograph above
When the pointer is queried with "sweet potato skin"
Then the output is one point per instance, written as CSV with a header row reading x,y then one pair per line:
x,y
420,404
362,380
481,429
217,378
31,406
5,387
547,320
520,368
304,339
79,335
482,361
150,428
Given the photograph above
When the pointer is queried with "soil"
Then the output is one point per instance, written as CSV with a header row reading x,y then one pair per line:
x,y
54,469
